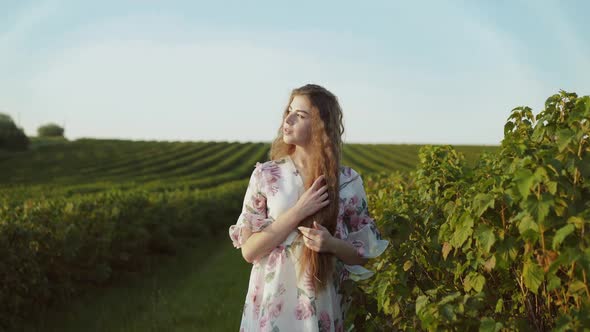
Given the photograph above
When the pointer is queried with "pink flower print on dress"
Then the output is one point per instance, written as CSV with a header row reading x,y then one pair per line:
x,y
281,290
355,222
365,220
304,309
264,326
360,247
360,222
256,300
340,232
276,307
259,202
257,221
341,205
324,322
275,256
234,233
268,174
354,200
350,208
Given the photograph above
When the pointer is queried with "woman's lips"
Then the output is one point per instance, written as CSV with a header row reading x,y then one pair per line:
x,y
287,132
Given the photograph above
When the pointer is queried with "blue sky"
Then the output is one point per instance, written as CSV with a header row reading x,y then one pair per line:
x,y
441,72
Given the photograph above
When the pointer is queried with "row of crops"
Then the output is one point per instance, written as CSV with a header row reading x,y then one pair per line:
x,y
89,166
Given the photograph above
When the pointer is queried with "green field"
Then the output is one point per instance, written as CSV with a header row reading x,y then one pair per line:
x,y
191,289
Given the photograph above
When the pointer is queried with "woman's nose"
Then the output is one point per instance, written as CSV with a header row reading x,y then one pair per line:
x,y
289,119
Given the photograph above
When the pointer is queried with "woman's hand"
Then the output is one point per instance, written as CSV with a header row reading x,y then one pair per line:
x,y
312,199
317,238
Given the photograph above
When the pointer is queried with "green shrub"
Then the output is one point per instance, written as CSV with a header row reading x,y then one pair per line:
x,y
501,245
50,130
52,249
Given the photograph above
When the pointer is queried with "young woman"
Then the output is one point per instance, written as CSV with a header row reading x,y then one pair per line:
x,y
305,224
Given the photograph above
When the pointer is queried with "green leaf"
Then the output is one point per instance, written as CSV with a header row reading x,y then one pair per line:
x,y
463,229
584,165
448,312
482,202
540,174
533,276
499,305
489,325
528,228
576,286
446,248
421,302
563,323
478,282
408,265
551,187
508,127
538,208
474,281
485,237
561,234
564,137
524,180
553,282
576,221
490,263
449,298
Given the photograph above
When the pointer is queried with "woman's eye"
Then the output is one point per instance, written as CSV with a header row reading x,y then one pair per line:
x,y
298,114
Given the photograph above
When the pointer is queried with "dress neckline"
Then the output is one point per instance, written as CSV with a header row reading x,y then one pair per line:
x,y
295,170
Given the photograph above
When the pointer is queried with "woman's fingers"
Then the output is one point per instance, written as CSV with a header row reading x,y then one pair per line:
x,y
322,190
308,232
310,243
318,182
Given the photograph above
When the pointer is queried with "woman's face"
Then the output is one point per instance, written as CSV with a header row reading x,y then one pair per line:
x,y
297,125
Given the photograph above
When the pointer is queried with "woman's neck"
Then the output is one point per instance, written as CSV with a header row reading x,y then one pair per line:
x,y
301,160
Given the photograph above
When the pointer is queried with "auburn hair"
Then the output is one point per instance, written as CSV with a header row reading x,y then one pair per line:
x,y
326,136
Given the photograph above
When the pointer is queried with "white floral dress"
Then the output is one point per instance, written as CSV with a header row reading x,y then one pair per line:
x,y
276,301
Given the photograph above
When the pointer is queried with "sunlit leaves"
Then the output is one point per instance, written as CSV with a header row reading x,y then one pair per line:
x,y
503,245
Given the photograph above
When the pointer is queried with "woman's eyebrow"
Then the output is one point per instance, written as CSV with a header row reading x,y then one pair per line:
x,y
306,112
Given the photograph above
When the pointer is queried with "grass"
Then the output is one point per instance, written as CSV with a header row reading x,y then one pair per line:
x,y
200,290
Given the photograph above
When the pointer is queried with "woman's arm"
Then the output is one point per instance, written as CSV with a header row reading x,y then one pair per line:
x,y
346,252
259,244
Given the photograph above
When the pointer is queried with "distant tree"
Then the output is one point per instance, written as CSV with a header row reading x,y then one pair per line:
x,y
5,118
50,130
11,136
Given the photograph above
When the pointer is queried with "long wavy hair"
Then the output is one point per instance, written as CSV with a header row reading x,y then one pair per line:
x,y
326,136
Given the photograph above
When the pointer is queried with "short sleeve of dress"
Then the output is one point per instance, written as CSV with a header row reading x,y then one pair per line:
x,y
254,215
359,229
